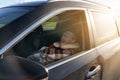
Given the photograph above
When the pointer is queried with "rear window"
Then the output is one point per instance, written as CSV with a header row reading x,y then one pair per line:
x,y
105,27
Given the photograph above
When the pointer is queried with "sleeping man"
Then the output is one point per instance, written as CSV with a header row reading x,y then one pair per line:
x,y
58,50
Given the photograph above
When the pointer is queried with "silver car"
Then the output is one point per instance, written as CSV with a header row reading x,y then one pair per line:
x,y
27,27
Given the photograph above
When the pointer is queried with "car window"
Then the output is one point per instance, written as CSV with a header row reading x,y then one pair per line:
x,y
7,15
105,31
63,35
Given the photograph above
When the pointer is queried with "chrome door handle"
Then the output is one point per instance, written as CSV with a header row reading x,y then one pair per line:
x,y
94,71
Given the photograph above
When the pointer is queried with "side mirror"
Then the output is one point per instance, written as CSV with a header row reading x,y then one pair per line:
x,y
18,68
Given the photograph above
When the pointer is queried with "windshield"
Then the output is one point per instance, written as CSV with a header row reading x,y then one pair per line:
x,y
7,16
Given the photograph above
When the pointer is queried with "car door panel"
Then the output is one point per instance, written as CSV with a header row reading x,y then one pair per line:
x,y
109,49
110,54
63,69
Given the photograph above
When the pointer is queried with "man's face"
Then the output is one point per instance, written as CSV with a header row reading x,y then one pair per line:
x,y
66,39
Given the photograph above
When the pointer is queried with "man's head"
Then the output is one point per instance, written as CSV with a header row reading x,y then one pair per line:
x,y
68,37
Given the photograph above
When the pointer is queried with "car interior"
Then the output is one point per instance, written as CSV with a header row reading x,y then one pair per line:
x,y
44,36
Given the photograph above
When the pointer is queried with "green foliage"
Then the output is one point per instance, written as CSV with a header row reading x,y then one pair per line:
x,y
1,25
49,24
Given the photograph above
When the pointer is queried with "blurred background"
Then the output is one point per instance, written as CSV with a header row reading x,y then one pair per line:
x,y
114,4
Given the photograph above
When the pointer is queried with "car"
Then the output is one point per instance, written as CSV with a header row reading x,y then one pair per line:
x,y
27,27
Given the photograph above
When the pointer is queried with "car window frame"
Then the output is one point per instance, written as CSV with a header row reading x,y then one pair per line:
x,y
84,36
33,26
36,25
93,26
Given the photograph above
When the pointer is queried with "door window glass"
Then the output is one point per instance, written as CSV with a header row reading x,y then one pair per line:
x,y
63,35
105,27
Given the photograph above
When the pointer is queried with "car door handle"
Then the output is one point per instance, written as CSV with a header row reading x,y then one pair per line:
x,y
92,72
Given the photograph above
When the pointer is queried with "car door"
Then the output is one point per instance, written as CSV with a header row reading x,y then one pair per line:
x,y
84,64
107,43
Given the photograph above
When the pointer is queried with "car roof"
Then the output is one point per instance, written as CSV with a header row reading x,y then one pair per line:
x,y
29,4
39,3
